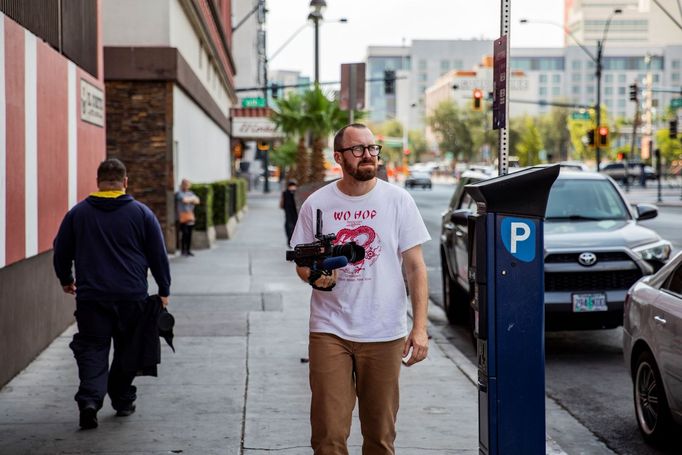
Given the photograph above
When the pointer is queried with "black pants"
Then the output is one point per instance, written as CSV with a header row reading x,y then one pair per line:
x,y
99,322
186,237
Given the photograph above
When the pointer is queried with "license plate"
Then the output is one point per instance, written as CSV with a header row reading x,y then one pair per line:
x,y
583,303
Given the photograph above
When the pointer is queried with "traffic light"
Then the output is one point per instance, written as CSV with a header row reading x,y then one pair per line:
x,y
634,92
590,137
672,129
389,82
274,88
263,146
478,99
603,136
620,156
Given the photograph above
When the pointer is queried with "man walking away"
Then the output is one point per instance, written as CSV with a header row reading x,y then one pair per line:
x,y
113,240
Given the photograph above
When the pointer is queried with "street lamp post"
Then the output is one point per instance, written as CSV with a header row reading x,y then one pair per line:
x,y
316,9
597,61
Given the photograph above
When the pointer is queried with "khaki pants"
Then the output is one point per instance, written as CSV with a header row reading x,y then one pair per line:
x,y
342,370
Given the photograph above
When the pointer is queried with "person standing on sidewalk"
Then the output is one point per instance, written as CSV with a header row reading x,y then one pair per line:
x,y
358,326
287,202
112,239
185,201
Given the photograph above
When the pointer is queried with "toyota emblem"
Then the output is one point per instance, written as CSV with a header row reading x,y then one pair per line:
x,y
587,258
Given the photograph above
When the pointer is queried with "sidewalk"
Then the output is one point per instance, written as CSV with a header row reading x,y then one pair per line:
x,y
236,384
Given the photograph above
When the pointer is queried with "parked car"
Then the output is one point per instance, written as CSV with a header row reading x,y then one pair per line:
x,y
652,347
421,179
616,170
594,251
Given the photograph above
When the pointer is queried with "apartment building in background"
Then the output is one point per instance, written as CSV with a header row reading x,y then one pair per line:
x,y
640,22
170,82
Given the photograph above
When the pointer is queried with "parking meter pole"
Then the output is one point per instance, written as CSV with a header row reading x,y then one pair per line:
x,y
506,267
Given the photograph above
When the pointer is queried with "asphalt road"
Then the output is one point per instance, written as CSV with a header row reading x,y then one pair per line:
x,y
584,370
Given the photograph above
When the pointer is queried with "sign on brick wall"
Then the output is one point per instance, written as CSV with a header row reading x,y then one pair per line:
x,y
92,104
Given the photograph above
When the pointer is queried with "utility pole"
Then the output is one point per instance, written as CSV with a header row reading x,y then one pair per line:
x,y
597,105
647,142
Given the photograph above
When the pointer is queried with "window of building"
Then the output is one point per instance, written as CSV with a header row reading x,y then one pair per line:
x,y
556,91
457,64
621,90
621,103
542,91
576,77
577,65
608,79
608,90
589,89
675,64
543,78
621,114
621,78
422,64
657,78
675,77
423,77
422,88
556,78
575,90
590,65
444,65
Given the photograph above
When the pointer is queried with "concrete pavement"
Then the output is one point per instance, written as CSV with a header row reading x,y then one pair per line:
x,y
237,384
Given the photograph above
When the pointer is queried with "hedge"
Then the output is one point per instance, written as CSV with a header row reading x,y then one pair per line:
x,y
204,211
240,188
221,201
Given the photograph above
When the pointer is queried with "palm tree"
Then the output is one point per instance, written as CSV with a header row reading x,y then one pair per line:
x,y
324,117
291,119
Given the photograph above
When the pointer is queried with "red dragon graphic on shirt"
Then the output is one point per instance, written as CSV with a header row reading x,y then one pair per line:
x,y
367,238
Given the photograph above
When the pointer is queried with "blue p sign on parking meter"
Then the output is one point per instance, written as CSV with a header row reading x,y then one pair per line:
x,y
518,237
506,265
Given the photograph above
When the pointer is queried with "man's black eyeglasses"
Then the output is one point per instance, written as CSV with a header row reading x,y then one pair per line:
x,y
359,150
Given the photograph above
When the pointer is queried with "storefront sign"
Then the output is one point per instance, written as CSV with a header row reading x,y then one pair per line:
x,y
254,128
92,104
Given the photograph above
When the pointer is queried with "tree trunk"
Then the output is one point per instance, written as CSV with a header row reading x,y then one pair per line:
x,y
317,169
301,171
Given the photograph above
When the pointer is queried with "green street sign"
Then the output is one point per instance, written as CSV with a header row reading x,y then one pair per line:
x,y
253,102
676,103
580,115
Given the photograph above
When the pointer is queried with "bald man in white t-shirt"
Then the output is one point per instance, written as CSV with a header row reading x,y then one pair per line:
x,y
358,328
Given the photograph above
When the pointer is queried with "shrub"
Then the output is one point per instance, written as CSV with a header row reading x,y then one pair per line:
x,y
204,211
220,202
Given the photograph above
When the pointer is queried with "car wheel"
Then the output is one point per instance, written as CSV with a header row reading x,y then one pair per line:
x,y
651,405
454,305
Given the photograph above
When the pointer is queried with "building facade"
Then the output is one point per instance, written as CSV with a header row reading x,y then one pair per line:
x,y
381,106
169,77
52,139
640,22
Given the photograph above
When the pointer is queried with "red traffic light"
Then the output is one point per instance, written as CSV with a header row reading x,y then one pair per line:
x,y
478,93
603,131
407,151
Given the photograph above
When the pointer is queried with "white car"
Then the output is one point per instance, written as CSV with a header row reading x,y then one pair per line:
x,y
652,346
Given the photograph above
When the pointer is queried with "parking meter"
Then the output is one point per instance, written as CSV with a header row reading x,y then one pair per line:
x,y
506,270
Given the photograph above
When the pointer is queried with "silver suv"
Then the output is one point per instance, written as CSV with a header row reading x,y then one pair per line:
x,y
594,251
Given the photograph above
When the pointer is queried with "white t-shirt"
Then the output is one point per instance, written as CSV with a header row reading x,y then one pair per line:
x,y
369,302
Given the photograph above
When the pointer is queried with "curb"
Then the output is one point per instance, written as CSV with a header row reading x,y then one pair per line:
x,y
470,371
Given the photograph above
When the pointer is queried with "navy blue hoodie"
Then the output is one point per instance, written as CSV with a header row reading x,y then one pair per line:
x,y
113,241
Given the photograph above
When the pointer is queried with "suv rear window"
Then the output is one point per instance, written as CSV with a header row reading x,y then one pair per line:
x,y
585,199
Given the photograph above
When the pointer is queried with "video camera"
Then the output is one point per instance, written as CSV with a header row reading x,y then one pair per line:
x,y
321,256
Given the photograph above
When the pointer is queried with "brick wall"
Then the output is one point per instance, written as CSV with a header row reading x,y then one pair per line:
x,y
140,133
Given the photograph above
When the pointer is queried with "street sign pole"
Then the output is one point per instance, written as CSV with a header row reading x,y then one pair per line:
x,y
501,74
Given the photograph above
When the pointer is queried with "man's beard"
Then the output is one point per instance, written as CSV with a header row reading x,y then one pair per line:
x,y
364,174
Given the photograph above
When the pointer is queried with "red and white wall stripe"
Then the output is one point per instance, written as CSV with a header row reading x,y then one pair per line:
x,y
48,155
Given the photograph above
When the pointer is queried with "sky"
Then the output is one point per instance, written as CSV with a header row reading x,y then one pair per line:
x,y
394,23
